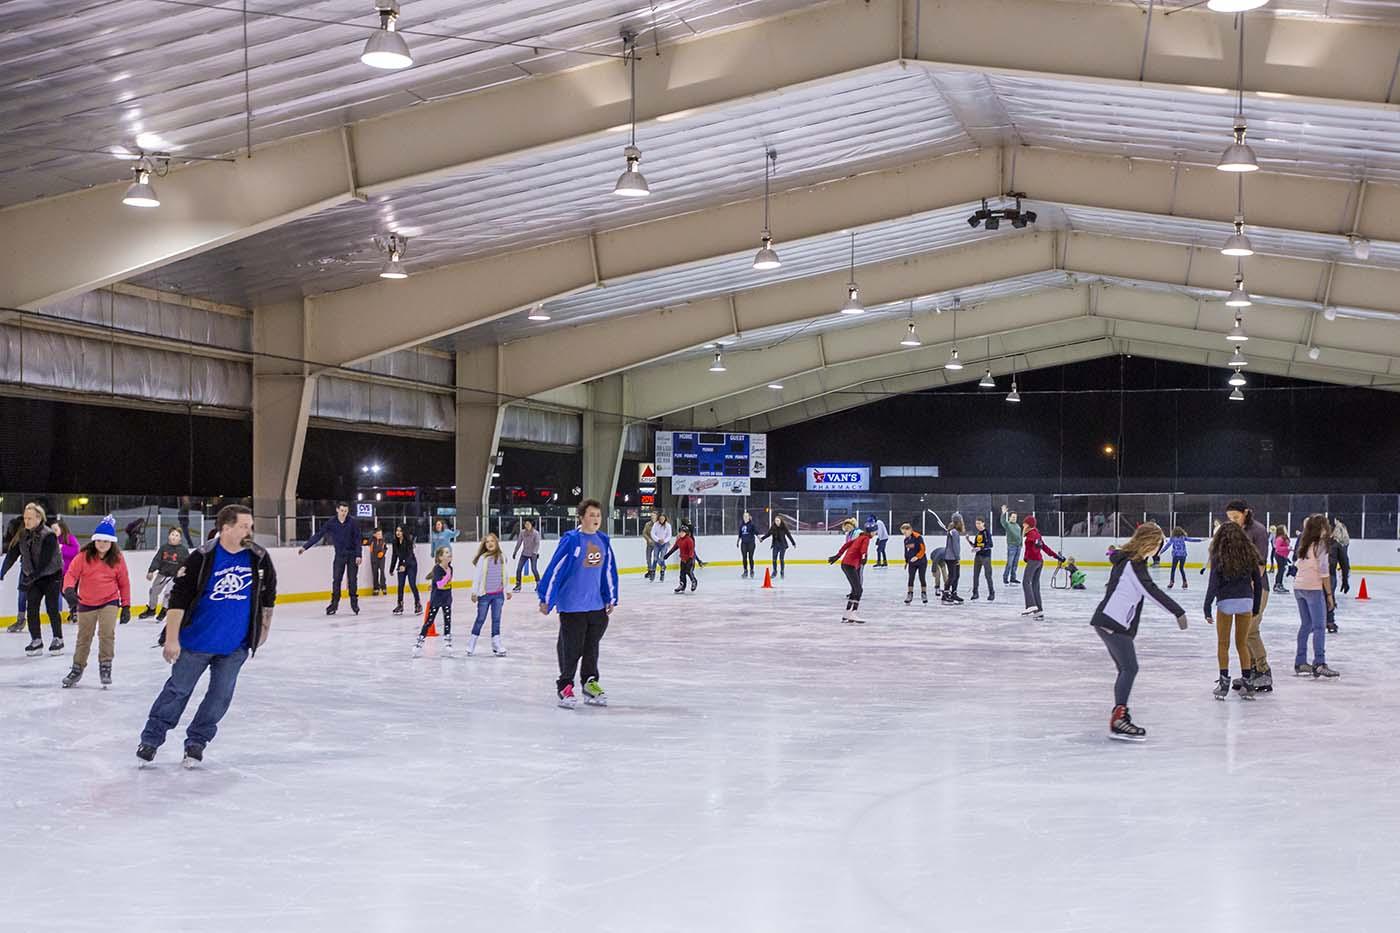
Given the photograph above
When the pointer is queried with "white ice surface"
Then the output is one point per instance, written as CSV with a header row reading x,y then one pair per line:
x,y
762,768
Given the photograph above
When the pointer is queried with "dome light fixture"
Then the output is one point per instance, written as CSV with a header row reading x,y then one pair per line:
x,y
1234,6
1238,360
385,48
1237,378
1237,244
1238,157
1314,352
631,184
718,365
767,257
1236,395
853,305
395,245
1014,395
141,193
911,339
1237,334
987,381
1238,297
538,313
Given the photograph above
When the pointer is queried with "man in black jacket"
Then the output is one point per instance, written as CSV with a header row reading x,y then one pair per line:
x,y
220,614
344,536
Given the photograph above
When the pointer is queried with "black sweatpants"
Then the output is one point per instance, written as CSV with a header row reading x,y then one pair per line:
x,y
921,571
579,635
433,610
982,563
688,571
48,589
853,578
780,560
1120,648
746,549
376,566
409,573
344,566
1344,565
954,569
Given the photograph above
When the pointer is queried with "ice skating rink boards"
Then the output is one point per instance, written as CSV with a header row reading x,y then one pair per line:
x,y
762,767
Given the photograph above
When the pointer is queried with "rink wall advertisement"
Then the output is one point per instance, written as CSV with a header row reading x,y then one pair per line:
x,y
306,577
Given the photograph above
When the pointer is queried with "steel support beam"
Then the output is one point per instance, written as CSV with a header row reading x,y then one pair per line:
x,y
282,392
604,432
480,414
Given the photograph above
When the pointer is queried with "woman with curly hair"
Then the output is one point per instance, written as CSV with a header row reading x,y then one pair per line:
x,y
1235,589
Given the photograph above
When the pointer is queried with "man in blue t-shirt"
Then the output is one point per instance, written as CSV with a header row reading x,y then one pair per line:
x,y
220,613
581,582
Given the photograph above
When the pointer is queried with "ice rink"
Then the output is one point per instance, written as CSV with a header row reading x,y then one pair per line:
x,y
761,768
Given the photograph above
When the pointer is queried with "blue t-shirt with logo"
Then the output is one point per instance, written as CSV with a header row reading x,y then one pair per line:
x,y
583,590
219,622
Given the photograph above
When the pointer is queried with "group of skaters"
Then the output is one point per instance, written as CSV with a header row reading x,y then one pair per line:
x,y
1022,538
662,540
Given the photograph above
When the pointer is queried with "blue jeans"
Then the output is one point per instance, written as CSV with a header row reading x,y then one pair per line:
x,y
1013,555
1312,611
531,561
656,556
495,602
184,675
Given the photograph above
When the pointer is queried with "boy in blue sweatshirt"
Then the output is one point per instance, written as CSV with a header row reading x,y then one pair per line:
x,y
581,582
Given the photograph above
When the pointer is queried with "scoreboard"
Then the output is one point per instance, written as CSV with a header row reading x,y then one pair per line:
x,y
701,462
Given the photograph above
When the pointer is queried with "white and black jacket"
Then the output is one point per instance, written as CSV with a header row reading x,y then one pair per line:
x,y
193,577
1128,585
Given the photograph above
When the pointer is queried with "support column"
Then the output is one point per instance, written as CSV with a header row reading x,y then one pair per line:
x,y
604,433
480,412
282,393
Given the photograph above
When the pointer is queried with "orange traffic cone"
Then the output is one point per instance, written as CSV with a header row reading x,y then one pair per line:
x,y
768,579
1361,593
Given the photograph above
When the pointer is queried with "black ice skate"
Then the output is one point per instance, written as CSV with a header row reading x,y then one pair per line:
x,y
398,610
104,674
56,646
909,597
147,753
147,613
72,677
34,648
1121,727
194,755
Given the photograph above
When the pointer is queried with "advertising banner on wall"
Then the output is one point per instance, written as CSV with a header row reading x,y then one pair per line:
x,y
837,478
711,486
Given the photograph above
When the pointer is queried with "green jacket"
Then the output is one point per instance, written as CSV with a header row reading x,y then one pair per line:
x,y
1013,531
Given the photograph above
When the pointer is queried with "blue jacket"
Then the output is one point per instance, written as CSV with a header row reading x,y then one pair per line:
x,y
442,539
343,536
565,561
1178,545
748,533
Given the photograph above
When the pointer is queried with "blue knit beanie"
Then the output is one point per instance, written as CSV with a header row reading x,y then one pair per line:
x,y
106,530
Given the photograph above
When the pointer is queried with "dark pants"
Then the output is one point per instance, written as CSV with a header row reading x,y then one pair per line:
x,y
746,549
533,562
954,569
1120,648
376,567
344,567
1179,562
1344,565
44,593
1030,583
184,675
921,571
409,573
779,560
982,563
493,603
880,559
1282,569
853,578
579,635
688,572
433,609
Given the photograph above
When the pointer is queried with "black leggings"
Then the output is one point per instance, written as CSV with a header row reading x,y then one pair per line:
x,y
1179,562
688,570
921,571
1282,569
853,577
48,589
746,549
409,574
433,609
780,560
1120,648
954,571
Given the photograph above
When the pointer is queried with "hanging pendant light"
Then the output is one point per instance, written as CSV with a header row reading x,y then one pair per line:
x,y
1014,395
387,49
853,305
1237,379
395,245
1238,157
987,381
538,313
631,184
718,365
1237,395
1237,244
911,339
141,193
767,257
1238,359
953,362
1237,334
1238,297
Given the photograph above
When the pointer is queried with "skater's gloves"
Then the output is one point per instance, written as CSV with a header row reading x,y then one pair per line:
x,y
126,614
831,560
71,594
1181,621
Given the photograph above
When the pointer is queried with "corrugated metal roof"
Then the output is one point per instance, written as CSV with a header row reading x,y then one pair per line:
x,y
169,74
1376,11
867,119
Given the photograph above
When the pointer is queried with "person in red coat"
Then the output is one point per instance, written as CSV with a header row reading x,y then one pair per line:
x,y
1035,549
852,558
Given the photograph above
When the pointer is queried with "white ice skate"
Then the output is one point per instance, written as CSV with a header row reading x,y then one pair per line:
x,y
447,646
1030,610
418,647
497,648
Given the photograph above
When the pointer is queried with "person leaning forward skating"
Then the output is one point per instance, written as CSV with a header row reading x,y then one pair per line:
x,y
220,615
581,582
344,537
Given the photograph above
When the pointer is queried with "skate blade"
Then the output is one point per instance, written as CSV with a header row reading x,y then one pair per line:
x,y
189,764
600,702
1120,737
